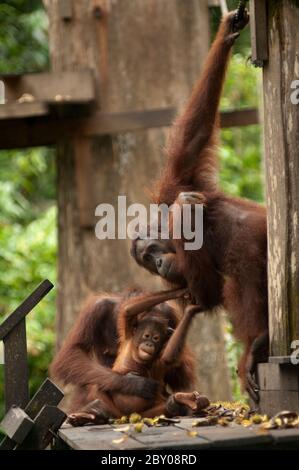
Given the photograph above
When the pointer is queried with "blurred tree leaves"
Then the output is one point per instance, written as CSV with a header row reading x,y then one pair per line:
x,y
241,151
28,246
23,36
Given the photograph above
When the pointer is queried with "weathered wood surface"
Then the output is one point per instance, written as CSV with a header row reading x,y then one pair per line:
x,y
13,111
50,87
21,129
279,387
13,334
175,437
47,396
282,174
154,66
16,424
46,424
22,310
258,32
16,390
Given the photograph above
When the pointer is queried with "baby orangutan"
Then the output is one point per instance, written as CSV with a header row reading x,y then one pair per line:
x,y
148,347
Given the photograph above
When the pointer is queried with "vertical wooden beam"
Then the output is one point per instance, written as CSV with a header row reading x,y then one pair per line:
x,y
13,334
258,32
282,174
16,367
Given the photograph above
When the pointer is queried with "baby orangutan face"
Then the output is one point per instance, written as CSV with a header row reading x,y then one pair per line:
x,y
149,338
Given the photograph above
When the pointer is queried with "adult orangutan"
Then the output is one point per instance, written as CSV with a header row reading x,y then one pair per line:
x,y
231,267
148,347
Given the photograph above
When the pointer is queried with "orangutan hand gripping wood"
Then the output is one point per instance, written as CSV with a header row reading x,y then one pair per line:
x,y
231,267
85,362
145,350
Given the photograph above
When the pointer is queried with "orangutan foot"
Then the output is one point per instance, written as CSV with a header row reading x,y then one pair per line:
x,y
92,413
81,419
193,400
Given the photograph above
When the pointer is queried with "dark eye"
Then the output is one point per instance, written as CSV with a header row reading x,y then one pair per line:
x,y
147,257
146,336
156,338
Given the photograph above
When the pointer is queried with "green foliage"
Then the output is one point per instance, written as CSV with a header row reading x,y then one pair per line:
x,y
28,246
23,36
233,351
27,256
28,184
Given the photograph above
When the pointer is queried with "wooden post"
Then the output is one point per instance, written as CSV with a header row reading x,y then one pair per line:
x,y
144,54
13,334
282,176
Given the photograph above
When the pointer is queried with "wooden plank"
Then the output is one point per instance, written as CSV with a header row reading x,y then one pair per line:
x,y
283,436
48,419
16,391
274,401
23,110
280,359
20,312
51,87
168,437
239,118
47,394
114,123
98,438
258,32
234,436
16,424
21,133
278,377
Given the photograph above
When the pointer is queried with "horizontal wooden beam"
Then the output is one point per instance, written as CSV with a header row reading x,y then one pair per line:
x,y
20,133
239,117
50,87
24,110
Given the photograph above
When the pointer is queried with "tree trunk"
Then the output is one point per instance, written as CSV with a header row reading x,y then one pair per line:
x,y
145,54
282,172
278,378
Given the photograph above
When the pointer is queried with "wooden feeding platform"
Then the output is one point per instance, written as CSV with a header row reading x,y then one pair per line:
x,y
176,436
45,108
38,423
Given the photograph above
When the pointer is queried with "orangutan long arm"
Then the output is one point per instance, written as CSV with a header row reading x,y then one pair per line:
x,y
191,157
175,345
149,301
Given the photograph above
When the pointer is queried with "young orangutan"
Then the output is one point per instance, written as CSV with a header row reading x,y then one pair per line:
x,y
148,347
